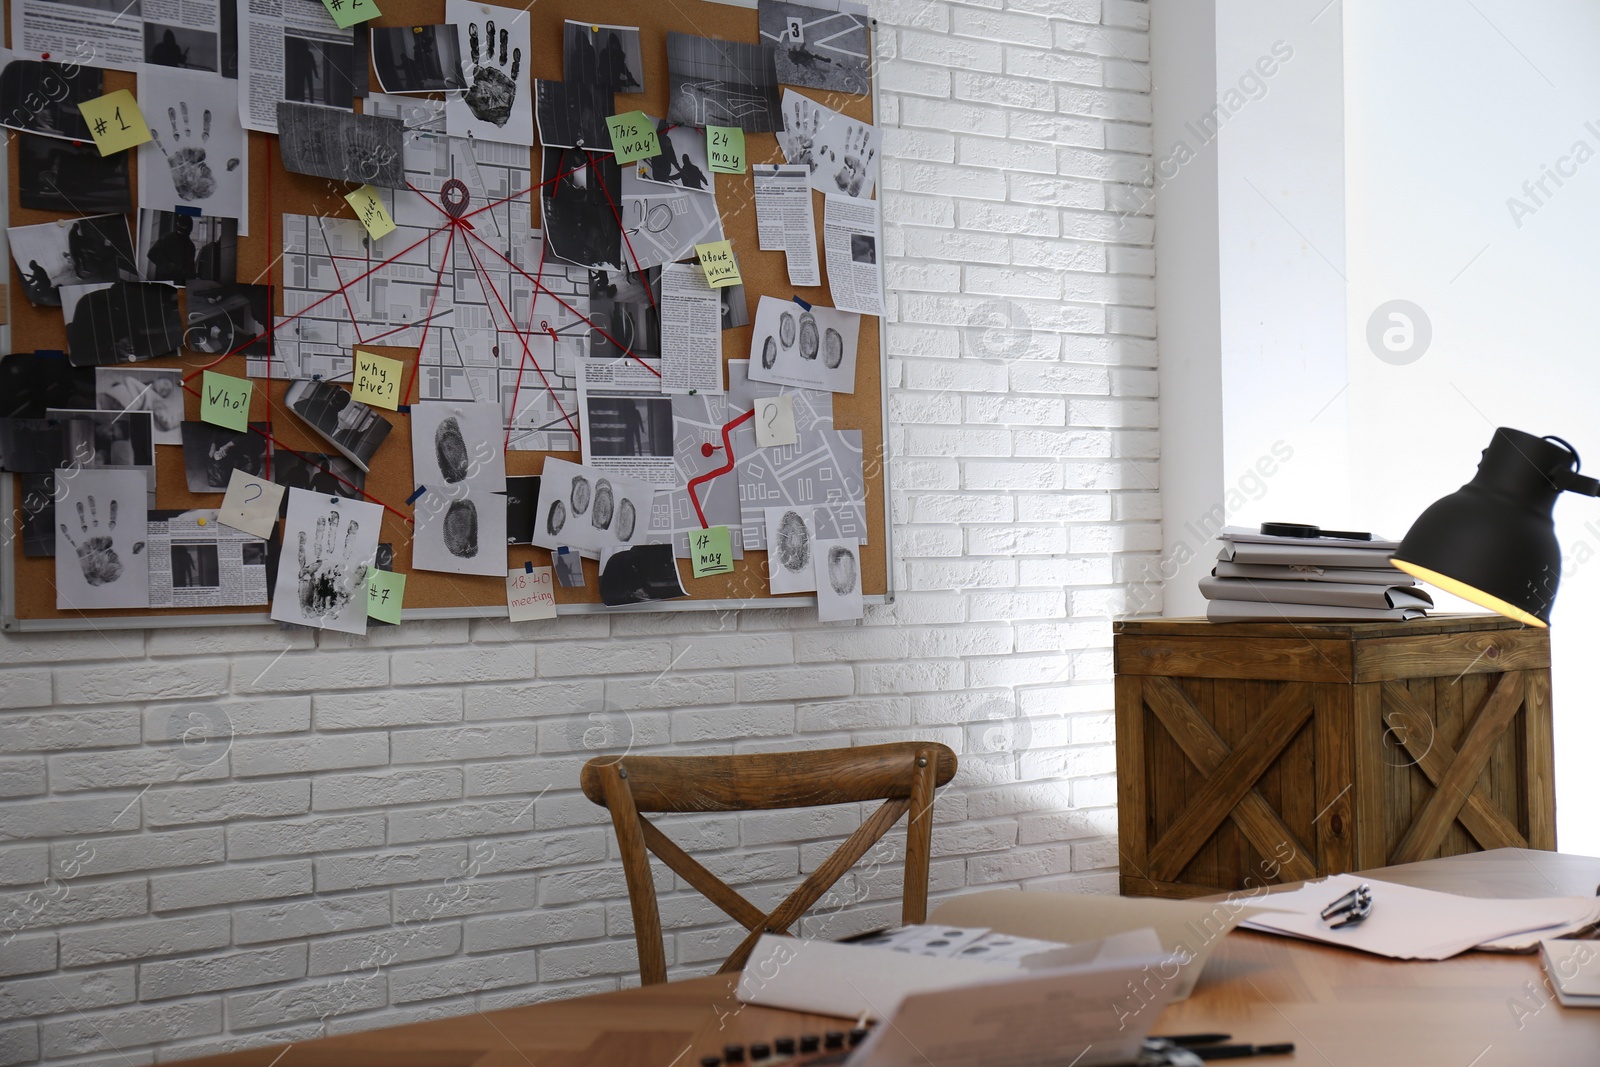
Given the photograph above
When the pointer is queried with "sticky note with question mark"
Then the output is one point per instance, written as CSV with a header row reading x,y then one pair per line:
x,y
251,504
774,418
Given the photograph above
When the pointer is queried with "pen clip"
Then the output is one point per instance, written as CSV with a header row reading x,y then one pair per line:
x,y
1354,906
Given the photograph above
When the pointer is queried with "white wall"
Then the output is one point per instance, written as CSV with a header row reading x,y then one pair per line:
x,y
214,838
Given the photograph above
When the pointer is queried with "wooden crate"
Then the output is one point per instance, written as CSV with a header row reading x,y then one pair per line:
x,y
1256,753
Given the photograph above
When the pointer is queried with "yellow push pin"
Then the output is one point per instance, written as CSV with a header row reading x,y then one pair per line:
x,y
202,522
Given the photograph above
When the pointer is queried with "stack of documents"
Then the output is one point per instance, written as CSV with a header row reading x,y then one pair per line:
x,y
1265,578
1574,971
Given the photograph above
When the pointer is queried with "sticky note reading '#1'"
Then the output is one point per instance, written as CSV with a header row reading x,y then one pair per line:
x,y
115,122
347,13
717,260
368,206
774,419
251,504
531,594
725,148
385,591
377,380
225,400
711,550
633,136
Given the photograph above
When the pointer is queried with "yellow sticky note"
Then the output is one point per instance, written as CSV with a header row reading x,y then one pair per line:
x,y
377,380
225,400
717,260
347,13
711,550
385,591
633,136
115,122
531,594
368,206
725,149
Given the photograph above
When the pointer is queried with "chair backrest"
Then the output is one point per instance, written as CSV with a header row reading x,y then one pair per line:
x,y
902,775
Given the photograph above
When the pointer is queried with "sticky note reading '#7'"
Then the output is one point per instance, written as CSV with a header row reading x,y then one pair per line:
x,y
385,591
225,400
251,504
377,380
717,260
115,122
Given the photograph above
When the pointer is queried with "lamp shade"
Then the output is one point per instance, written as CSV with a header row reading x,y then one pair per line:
x,y
1493,541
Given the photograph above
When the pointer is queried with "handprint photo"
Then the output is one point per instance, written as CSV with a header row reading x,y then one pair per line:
x,y
186,157
196,154
841,153
100,539
329,544
328,578
493,91
494,42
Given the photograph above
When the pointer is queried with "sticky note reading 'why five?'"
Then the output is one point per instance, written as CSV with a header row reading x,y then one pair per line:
x,y
347,13
377,380
368,206
717,260
633,136
774,419
251,504
711,550
115,122
531,594
385,591
225,400
725,149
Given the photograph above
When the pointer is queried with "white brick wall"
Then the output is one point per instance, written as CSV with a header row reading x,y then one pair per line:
x,y
216,838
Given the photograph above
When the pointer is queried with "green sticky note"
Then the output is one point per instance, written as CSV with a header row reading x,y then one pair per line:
x,y
719,263
725,148
633,136
225,400
347,13
385,591
711,550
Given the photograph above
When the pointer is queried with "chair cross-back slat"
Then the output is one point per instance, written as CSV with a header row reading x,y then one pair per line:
x,y
903,776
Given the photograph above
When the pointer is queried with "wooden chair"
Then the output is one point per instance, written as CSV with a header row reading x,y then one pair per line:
x,y
902,775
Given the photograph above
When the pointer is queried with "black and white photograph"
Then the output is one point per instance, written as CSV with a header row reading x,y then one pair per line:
x,y
180,46
43,98
863,248
639,574
580,198
572,113
457,446
160,392
31,383
811,347
496,58
100,540
817,47
366,149
682,161
461,534
71,252
417,59
735,311
71,176
791,535
722,83
212,453
123,322
838,565
628,426
196,155
320,70
522,507
226,318
354,428
195,566
101,439
625,314
568,567
38,515
328,546
613,51
182,248
324,473
31,445
588,510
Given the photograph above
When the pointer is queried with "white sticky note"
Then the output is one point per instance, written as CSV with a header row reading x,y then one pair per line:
x,y
774,418
251,504
531,594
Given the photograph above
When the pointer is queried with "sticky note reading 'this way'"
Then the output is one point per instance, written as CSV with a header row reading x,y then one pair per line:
x,y
725,149
633,136
368,206
225,400
251,504
711,550
385,591
115,122
377,380
717,260
347,13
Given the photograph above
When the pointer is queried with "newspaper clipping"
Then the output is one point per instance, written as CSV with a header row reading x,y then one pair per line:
x,y
850,232
115,34
691,331
197,562
785,220
292,52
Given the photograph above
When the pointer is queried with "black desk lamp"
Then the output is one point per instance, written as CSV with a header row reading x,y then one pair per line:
x,y
1493,541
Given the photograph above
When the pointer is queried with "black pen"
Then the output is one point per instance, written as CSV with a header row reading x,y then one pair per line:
x,y
1186,1040
1234,1052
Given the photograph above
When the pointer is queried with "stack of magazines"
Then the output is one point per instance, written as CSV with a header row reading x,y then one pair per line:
x,y
1265,578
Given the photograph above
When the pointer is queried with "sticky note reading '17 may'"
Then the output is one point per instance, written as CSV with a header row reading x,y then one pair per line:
x,y
225,400
347,13
377,380
251,504
368,206
717,260
115,122
711,550
385,591
725,149
531,594
633,136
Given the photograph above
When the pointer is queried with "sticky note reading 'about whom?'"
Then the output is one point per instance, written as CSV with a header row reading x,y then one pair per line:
x,y
774,419
377,380
347,13
633,136
385,591
531,594
368,206
711,550
717,260
251,504
225,400
725,149
115,122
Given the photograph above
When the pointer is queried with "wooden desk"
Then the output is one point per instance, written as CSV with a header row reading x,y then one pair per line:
x,y
1338,1007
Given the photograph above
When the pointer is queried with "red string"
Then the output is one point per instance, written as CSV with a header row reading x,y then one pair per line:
x,y
727,445
624,231
427,323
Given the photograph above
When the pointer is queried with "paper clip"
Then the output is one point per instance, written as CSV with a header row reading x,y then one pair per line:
x,y
802,303
412,499
1355,906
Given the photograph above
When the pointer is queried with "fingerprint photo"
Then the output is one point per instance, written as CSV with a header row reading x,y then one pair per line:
x,y
808,336
557,518
604,505
842,571
832,348
580,495
786,329
769,353
461,529
794,543
626,519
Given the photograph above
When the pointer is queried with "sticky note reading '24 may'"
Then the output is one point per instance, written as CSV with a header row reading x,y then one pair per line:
x,y
225,400
377,380
531,594
368,206
251,504
725,148
347,13
385,591
717,260
115,122
633,136
711,550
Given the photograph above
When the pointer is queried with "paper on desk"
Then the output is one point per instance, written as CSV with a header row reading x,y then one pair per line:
x,y
1408,923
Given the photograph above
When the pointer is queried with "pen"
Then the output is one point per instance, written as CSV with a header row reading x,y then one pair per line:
x,y
1185,1040
1235,1052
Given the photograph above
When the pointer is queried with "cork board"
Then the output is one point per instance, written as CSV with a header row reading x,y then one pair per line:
x,y
30,590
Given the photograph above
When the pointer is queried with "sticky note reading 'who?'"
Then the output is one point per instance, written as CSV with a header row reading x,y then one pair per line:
x,y
711,550
347,13
115,122
725,149
717,260
368,206
377,380
385,591
225,400
633,136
